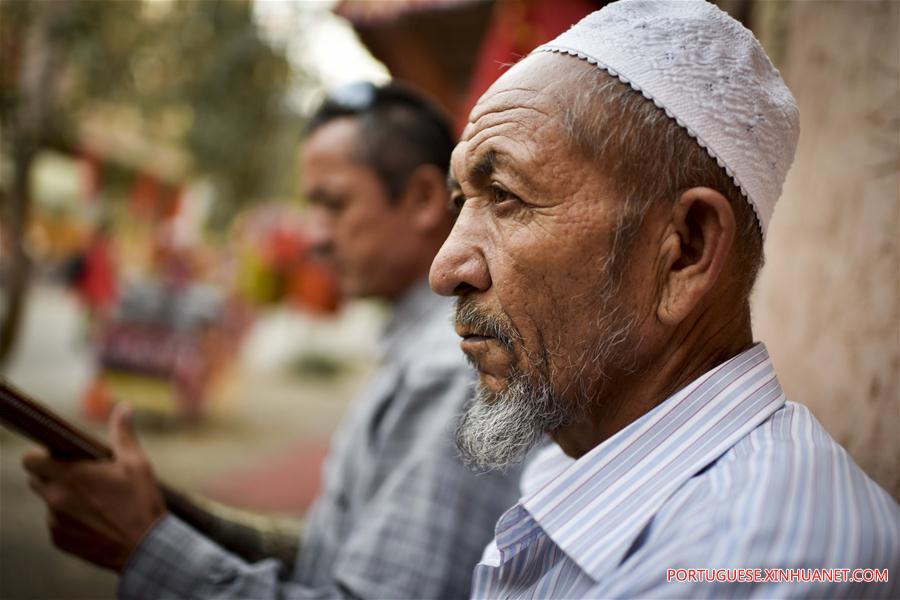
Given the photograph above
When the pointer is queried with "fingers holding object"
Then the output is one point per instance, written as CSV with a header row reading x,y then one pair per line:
x,y
121,431
61,498
52,493
39,463
54,479
37,484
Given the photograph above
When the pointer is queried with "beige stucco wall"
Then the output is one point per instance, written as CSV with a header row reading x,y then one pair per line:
x,y
828,301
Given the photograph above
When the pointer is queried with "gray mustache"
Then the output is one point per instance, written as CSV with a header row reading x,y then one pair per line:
x,y
480,322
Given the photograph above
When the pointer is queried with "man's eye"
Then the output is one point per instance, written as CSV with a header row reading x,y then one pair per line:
x,y
500,195
334,207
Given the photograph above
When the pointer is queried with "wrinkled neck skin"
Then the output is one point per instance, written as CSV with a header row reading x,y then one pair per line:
x,y
712,336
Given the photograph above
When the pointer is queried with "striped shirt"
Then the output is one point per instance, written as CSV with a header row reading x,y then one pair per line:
x,y
723,474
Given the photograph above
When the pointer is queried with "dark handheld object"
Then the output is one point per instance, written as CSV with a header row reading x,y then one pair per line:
x,y
61,438
65,441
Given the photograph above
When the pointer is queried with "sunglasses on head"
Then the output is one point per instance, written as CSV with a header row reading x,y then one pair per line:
x,y
357,96
362,96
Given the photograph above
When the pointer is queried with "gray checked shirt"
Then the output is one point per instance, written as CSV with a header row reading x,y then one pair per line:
x,y
399,515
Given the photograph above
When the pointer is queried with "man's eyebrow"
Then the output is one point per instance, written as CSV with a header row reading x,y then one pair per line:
x,y
485,165
483,168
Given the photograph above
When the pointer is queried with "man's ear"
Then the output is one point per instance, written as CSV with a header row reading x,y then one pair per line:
x,y
696,247
425,197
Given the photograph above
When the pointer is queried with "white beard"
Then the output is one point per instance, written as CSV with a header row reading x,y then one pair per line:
x,y
498,429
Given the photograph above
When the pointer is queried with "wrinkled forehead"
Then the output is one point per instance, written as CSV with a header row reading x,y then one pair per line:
x,y
536,86
528,100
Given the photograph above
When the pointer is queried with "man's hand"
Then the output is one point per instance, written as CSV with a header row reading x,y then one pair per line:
x,y
99,510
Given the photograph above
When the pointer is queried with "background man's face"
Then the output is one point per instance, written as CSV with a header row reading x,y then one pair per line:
x,y
353,223
528,256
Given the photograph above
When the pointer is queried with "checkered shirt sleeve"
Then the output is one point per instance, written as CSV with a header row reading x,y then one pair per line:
x,y
412,525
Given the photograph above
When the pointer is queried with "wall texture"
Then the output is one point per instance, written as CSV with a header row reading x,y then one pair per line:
x,y
828,301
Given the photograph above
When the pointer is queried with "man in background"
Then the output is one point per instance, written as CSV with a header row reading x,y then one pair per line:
x,y
398,516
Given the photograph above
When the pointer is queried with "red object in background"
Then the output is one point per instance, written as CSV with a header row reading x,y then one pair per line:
x,y
284,245
97,285
97,401
309,285
286,482
314,287
145,195
455,49
516,29
153,199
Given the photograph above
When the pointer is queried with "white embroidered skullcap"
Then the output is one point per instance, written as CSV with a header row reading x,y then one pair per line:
x,y
709,74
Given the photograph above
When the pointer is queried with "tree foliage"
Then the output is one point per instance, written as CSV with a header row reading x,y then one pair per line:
x,y
194,75
197,73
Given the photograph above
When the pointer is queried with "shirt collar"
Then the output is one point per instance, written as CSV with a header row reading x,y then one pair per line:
x,y
594,509
418,301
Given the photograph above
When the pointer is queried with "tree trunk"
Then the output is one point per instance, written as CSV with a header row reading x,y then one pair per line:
x,y
29,129
18,267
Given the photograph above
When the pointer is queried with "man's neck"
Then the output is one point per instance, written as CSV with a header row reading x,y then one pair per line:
x,y
628,395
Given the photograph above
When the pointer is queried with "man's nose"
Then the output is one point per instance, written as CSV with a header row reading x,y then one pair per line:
x,y
320,232
460,265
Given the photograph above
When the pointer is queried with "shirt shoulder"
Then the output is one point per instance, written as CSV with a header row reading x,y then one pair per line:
x,y
786,495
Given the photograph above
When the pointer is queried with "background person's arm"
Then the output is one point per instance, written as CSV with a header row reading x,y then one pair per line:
x,y
114,514
175,561
251,536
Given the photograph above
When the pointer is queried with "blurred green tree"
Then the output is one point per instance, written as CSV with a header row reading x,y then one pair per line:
x,y
195,75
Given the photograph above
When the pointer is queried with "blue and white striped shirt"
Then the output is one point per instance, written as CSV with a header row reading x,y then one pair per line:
x,y
724,474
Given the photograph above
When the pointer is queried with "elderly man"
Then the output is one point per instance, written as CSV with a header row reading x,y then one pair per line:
x,y
399,516
613,191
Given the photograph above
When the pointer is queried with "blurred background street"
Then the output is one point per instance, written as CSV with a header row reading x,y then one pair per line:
x,y
260,447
